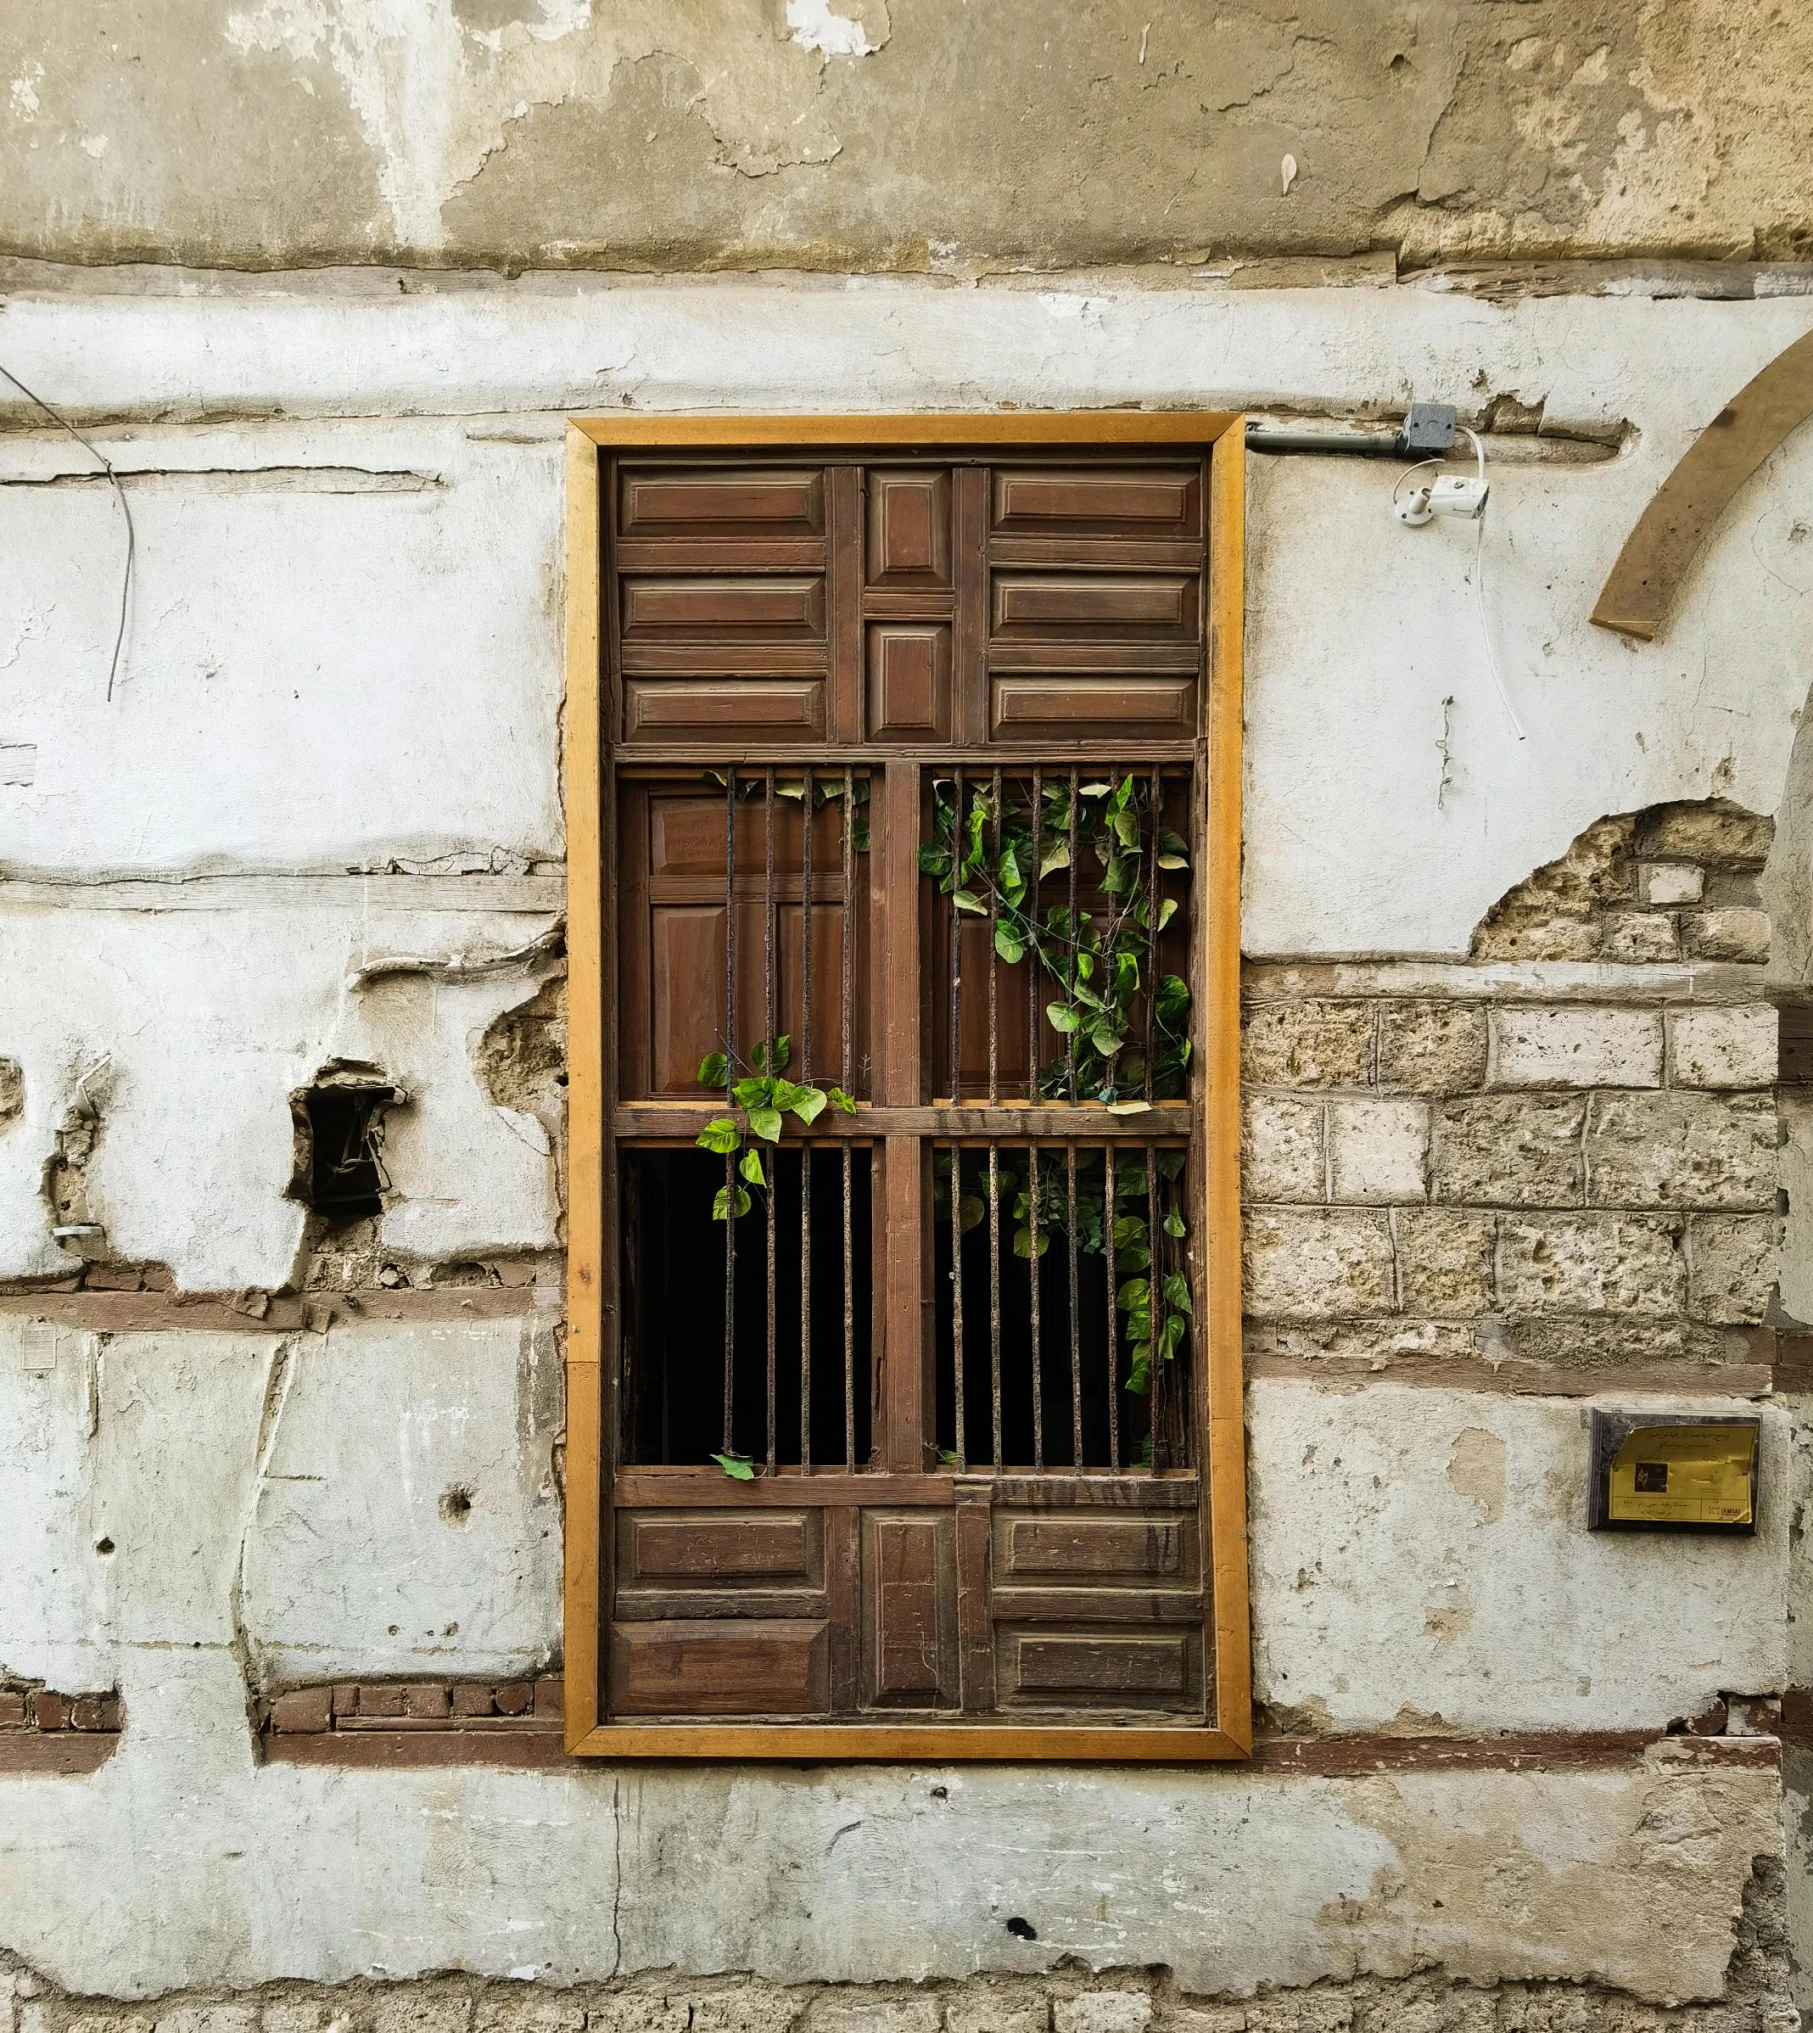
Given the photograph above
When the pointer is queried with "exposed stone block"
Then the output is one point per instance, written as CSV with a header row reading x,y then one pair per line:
x,y
1444,1260
641,2012
1508,1150
532,2011
1308,1044
744,2008
873,2015
1670,882
1577,1047
422,2008
1102,2012
1708,830
1281,1149
1733,1261
1735,932
208,2019
1591,1263
1613,1342
1681,1149
1432,1047
1735,1046
296,2015
303,1712
1378,1150
1634,938
1317,1264
997,2012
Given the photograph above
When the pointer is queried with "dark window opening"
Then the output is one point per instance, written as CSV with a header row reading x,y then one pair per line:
x,y
344,1177
674,1303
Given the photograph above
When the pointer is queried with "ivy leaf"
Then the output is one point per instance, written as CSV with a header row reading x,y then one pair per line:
x,y
1139,1375
713,1069
971,1212
1170,1335
1012,881
751,1168
965,901
1096,790
1172,853
1128,1228
1126,828
1055,855
1177,1291
773,1059
1105,1041
738,1467
947,1457
839,1099
1174,1223
766,1123
1008,945
718,1205
808,1103
1023,1243
1166,912
934,861
1062,1019
721,1135
1135,1292
1129,1107
753,1093
859,834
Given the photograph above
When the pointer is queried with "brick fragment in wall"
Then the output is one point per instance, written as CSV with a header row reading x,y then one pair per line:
x,y
1378,1151
1728,1046
1444,1261
1635,938
1281,1149
1508,1150
1733,1261
1734,932
303,1713
1712,829
1307,1044
1681,1148
1317,1264
1591,1263
1576,1046
1432,1047
1668,882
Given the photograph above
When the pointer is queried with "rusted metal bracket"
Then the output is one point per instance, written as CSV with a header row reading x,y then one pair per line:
x,y
1657,553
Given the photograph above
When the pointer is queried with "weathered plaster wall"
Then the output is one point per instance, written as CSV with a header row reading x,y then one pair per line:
x,y
904,137
333,744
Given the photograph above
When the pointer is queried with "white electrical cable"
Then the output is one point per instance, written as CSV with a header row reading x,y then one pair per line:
x,y
1479,592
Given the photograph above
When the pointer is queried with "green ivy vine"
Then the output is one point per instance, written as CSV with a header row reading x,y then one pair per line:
x,y
1098,962
763,1096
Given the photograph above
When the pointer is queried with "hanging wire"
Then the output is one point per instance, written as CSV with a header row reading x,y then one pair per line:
x,y
106,466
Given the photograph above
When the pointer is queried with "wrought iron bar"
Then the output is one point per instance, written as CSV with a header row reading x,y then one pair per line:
x,y
1036,1233
994,1297
849,977
1154,902
1076,944
1032,915
1076,1323
1155,1316
994,935
768,928
805,1161
956,941
1109,1157
730,1077
957,1302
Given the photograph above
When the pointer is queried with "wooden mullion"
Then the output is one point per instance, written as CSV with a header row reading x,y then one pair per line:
x,y
975,1610
969,646
843,601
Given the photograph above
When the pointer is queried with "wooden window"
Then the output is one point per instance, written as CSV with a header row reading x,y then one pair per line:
x,y
902,776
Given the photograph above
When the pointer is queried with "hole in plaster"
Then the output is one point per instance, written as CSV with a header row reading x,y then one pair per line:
x,y
456,1505
339,1125
1024,1930
941,1792
103,1545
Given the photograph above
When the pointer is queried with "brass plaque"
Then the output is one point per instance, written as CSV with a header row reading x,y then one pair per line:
x,y
1676,1471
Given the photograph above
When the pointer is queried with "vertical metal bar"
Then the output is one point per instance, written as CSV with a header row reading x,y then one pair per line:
x,y
1109,1154
1034,968
1076,940
730,1077
1038,1382
994,933
956,942
768,915
849,961
1155,1272
1076,1325
1154,900
805,1156
994,1297
957,1300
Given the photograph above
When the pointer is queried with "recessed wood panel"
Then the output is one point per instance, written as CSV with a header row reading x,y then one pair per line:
x,y
712,1547
909,529
908,1582
909,681
1163,707
768,606
722,501
720,1666
686,830
1078,1548
1157,501
792,709
1093,1667
1117,605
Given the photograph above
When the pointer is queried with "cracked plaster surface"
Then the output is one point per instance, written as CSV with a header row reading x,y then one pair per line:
x,y
676,133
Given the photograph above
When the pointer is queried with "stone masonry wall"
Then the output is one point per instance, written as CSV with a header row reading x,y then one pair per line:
x,y
1562,1154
